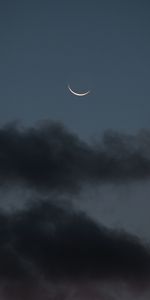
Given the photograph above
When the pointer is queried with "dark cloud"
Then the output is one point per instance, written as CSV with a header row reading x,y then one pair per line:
x,y
47,239
49,157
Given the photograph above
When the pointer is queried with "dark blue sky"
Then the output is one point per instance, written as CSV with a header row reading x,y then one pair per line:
x,y
103,46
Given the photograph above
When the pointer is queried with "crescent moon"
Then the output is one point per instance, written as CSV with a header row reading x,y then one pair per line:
x,y
78,94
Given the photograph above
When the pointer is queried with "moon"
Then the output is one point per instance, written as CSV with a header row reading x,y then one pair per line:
x,y
78,94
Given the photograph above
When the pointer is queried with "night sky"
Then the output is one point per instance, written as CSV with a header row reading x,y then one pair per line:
x,y
103,46
74,171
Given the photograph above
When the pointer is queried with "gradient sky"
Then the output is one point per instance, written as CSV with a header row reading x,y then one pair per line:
x,y
103,46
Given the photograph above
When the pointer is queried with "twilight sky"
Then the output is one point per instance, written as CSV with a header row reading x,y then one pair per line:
x,y
74,182
102,45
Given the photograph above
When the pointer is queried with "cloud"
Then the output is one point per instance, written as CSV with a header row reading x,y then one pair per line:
x,y
48,157
48,250
60,243
45,246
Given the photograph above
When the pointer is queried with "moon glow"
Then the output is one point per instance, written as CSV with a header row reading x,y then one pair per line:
x,y
78,94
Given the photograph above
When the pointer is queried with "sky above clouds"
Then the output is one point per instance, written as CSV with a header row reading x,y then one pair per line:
x,y
102,46
74,171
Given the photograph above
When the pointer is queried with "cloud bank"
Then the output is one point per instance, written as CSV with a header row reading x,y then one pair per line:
x,y
49,157
47,249
66,245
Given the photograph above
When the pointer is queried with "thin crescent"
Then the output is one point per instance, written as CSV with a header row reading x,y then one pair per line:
x,y
78,94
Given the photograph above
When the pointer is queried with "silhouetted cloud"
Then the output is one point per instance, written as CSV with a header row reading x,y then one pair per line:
x,y
51,158
46,242
63,244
